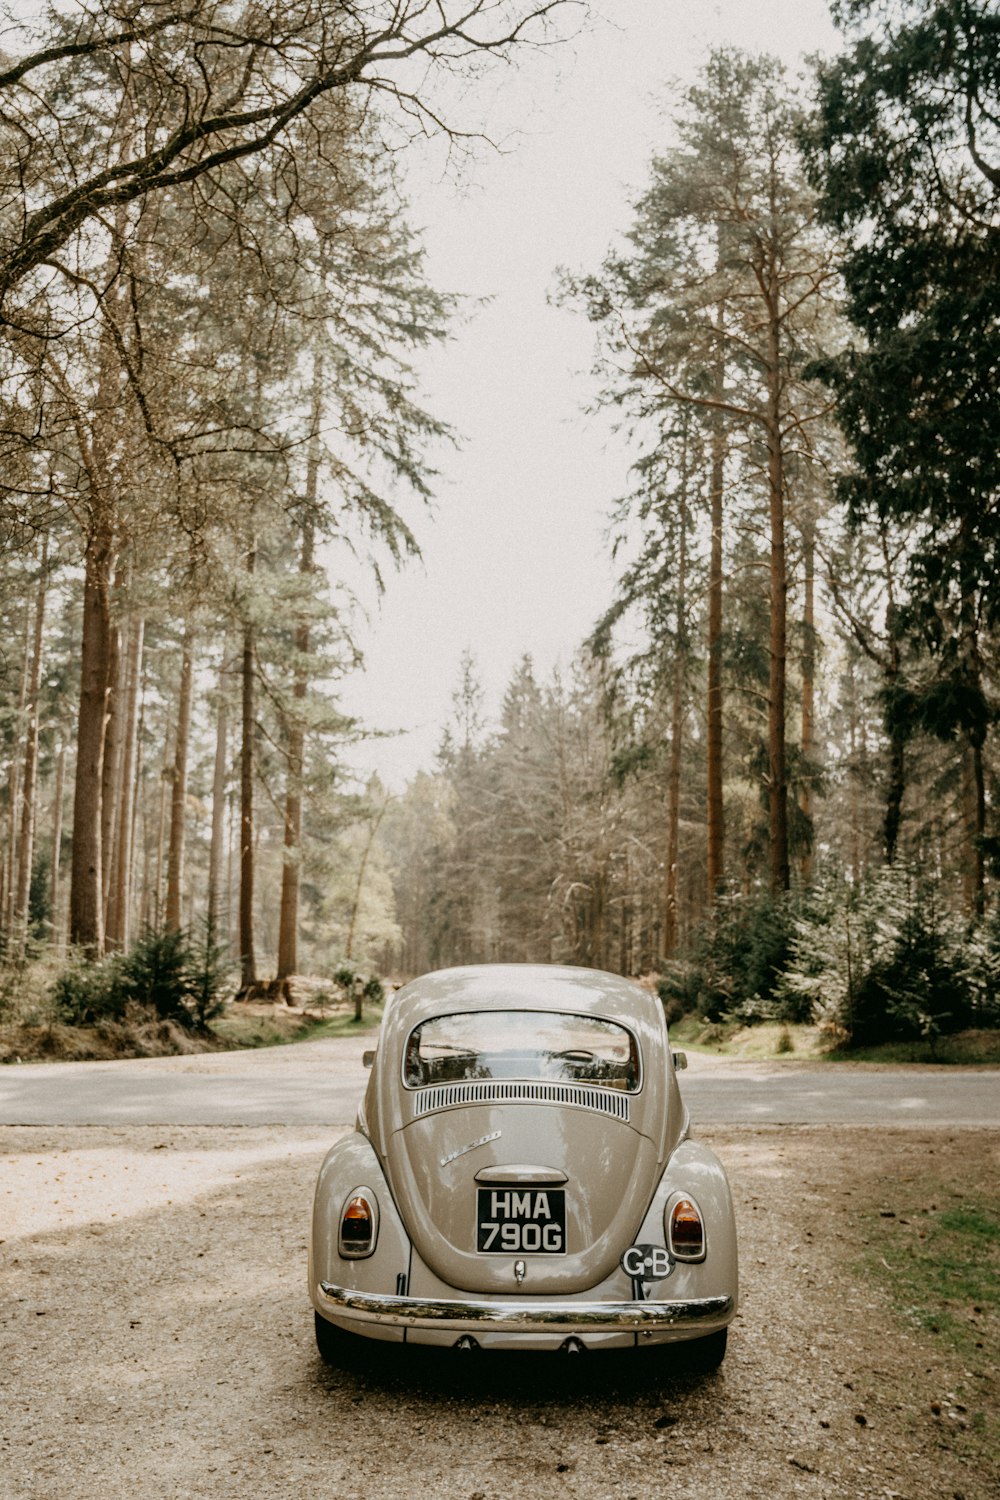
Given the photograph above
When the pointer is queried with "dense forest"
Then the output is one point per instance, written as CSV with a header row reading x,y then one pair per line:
x,y
770,776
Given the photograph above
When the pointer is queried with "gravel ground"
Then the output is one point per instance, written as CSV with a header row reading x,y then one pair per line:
x,y
156,1341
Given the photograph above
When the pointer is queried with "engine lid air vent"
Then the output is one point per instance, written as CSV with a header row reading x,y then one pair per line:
x,y
489,1091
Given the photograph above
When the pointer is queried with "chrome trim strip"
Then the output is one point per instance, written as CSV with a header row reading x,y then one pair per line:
x,y
524,1316
444,1095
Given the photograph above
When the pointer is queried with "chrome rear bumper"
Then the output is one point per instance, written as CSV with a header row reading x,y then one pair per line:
x,y
524,1316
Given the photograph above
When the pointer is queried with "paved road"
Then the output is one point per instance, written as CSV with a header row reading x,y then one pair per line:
x,y
320,1083
840,1095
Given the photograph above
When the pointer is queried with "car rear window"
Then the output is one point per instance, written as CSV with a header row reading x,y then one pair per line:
x,y
521,1044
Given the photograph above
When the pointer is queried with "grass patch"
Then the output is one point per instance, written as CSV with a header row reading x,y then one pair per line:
x,y
769,1040
142,1035
968,1048
949,1281
939,1263
344,1024
138,1033
234,1032
241,1030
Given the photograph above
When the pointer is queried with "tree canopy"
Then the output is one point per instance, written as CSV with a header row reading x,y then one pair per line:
x,y
905,152
104,104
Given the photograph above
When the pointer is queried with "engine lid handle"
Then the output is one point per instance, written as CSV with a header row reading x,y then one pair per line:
x,y
520,1173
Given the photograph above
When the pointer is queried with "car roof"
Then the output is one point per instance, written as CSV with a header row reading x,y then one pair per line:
x,y
556,987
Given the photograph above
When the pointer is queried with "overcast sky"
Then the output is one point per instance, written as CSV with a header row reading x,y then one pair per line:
x,y
515,557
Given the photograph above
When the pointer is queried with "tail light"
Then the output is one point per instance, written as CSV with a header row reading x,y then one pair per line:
x,y
685,1230
359,1225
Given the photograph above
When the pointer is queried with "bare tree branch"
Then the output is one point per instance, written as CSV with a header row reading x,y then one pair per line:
x,y
206,94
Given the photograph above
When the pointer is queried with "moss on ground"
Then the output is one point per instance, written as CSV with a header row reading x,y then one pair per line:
x,y
934,1250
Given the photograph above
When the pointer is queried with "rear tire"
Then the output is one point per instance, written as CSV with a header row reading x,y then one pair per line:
x,y
333,1343
707,1353
351,1351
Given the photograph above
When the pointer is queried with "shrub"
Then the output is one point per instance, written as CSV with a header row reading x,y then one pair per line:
x,y
345,977
981,954
359,989
208,978
884,961
162,973
678,989
373,990
917,990
738,961
87,993
155,973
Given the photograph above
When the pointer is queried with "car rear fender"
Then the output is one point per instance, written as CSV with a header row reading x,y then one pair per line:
x,y
349,1165
696,1172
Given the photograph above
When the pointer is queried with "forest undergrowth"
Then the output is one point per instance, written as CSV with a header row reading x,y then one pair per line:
x,y
165,998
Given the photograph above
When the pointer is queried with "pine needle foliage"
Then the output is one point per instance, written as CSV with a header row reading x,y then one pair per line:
x,y
886,961
164,973
738,961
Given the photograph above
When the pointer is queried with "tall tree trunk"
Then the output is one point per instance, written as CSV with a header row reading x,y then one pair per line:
x,y
624,931
178,789
288,927
854,774
597,953
218,811
714,708
55,899
776,757
99,642
808,692
147,901
8,873
897,727
248,962
26,846
161,841
975,817
977,825
231,903
117,934
359,884
86,924
972,862
138,899
676,735
98,436
111,764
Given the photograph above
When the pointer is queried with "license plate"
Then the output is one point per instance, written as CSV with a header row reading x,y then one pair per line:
x,y
525,1221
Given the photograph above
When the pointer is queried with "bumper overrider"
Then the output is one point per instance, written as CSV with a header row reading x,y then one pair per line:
x,y
524,1316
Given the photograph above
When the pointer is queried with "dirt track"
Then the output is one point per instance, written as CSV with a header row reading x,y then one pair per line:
x,y
156,1341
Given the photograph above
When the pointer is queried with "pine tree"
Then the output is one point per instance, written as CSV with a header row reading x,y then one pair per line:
x,y
726,290
905,155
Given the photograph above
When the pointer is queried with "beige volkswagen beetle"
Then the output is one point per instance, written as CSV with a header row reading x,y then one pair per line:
x,y
522,1177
